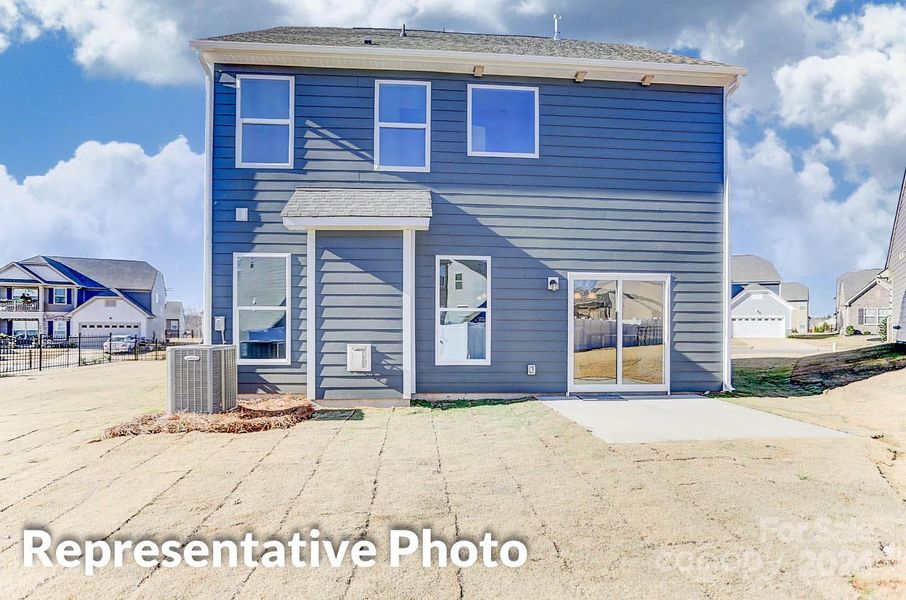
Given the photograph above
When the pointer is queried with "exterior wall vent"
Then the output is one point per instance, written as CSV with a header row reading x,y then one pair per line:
x,y
201,379
358,358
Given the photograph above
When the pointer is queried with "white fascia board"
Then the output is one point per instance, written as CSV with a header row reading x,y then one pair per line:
x,y
746,293
356,223
397,59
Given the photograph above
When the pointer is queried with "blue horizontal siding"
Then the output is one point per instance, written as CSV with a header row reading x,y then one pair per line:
x,y
359,300
629,179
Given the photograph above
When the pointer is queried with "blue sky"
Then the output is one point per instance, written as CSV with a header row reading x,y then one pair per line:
x,y
103,116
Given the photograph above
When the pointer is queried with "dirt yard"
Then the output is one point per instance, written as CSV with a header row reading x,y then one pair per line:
x,y
757,519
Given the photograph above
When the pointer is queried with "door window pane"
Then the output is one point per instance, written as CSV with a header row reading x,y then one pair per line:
x,y
261,281
503,120
595,331
643,332
262,334
462,336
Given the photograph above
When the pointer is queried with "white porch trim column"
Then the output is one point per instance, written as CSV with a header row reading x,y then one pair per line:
x,y
311,362
408,313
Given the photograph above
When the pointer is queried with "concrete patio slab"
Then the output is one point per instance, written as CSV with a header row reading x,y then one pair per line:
x,y
666,419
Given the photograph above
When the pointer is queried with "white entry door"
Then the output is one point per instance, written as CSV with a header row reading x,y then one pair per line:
x,y
619,332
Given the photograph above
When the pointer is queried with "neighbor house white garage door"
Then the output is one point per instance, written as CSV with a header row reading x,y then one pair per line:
x,y
758,327
106,329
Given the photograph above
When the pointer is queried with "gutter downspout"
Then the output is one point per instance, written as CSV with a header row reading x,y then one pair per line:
x,y
207,317
728,324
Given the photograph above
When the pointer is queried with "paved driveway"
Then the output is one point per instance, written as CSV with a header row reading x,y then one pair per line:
x,y
679,419
785,518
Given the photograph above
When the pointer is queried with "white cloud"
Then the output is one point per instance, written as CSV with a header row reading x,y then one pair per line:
x,y
855,97
111,200
792,216
147,40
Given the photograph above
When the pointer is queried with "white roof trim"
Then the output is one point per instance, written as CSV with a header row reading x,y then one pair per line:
x,y
119,297
14,265
876,281
443,61
356,223
738,298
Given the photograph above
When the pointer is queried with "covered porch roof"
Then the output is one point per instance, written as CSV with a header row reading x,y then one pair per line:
x,y
358,208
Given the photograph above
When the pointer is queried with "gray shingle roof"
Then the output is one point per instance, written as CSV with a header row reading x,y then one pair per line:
x,y
482,43
850,284
746,268
174,310
111,273
794,291
359,202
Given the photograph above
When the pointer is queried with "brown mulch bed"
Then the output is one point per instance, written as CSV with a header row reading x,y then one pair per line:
x,y
258,414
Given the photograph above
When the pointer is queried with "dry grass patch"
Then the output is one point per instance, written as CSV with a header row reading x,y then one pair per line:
x,y
278,412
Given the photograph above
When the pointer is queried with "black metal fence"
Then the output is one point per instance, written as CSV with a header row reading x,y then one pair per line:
x,y
23,354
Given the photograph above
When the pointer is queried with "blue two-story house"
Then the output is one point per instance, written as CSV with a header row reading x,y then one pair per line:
x,y
394,213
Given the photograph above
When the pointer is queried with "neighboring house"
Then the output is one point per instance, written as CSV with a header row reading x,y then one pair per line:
x,y
408,197
763,306
757,312
796,294
63,296
176,319
895,271
863,300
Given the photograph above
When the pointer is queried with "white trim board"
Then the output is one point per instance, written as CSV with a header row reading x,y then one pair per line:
x,y
311,317
356,223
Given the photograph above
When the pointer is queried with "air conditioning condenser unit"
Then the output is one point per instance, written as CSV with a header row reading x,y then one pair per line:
x,y
201,379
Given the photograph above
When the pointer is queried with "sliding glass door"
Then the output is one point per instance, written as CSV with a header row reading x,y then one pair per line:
x,y
619,332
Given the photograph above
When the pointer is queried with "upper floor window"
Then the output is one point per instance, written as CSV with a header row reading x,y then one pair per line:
x,y
402,125
264,121
502,121
59,295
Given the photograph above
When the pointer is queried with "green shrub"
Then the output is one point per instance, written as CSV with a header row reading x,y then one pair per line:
x,y
882,329
850,330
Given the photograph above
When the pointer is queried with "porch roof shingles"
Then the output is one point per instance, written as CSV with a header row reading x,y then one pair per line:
x,y
359,203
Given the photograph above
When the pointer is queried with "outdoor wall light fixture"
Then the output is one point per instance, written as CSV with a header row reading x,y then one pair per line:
x,y
553,284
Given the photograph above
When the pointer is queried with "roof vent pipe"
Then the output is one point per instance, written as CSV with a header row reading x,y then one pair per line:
x,y
403,31
557,26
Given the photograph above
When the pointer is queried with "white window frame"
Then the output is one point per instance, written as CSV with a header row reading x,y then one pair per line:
x,y
53,296
486,361
394,125
289,122
620,277
55,326
236,308
471,152
868,316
